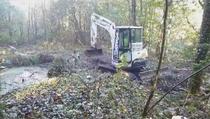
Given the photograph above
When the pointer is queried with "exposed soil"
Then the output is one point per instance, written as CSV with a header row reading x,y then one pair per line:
x,y
54,102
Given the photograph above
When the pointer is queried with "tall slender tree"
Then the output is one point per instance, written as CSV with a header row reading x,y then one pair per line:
x,y
44,18
133,12
157,73
202,49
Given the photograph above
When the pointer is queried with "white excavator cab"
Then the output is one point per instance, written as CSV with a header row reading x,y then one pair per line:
x,y
130,44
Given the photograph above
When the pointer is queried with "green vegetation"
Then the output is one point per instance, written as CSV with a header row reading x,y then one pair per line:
x,y
54,33
2,107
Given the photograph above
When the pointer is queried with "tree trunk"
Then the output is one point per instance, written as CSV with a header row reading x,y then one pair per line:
x,y
76,27
157,73
21,31
95,4
10,26
29,20
202,49
141,12
44,19
133,12
35,23
32,23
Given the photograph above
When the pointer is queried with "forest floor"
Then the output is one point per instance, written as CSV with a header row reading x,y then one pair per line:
x,y
76,89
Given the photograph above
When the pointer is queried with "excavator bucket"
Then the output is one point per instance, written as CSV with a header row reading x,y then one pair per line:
x,y
93,51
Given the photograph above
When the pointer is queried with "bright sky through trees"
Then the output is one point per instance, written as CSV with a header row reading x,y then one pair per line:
x,y
23,5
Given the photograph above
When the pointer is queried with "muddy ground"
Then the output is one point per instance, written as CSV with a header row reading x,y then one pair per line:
x,y
75,88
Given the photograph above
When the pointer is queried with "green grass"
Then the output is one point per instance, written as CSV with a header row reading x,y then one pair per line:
x,y
2,106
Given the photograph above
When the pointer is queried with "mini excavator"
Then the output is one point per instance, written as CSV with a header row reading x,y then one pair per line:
x,y
129,51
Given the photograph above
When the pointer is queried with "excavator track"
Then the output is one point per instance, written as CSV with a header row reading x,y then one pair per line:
x,y
103,63
93,51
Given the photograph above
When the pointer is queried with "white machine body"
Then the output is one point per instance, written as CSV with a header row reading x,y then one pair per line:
x,y
125,40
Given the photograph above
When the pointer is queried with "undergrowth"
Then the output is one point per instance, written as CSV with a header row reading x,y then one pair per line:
x,y
107,96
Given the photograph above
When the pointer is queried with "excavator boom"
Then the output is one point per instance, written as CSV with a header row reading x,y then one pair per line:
x,y
109,26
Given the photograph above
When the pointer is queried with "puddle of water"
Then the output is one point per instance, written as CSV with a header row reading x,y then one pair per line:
x,y
21,77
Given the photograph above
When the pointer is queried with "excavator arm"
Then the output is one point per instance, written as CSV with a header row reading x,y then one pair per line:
x,y
97,20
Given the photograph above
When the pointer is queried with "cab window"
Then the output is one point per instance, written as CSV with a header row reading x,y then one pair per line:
x,y
136,35
124,39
